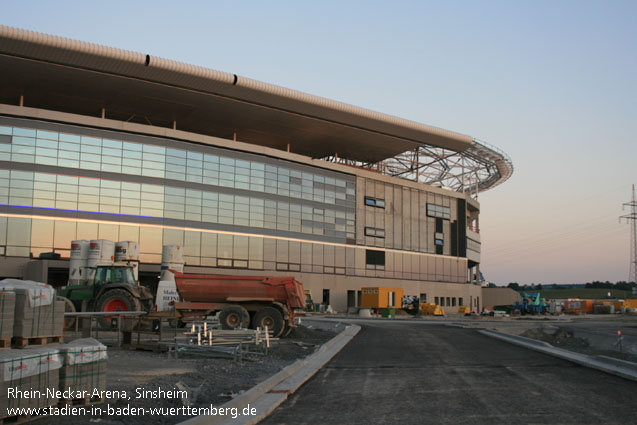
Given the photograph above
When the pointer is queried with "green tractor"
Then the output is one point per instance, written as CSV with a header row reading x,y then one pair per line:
x,y
113,289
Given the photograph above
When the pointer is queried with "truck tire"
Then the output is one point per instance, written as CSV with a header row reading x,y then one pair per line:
x,y
115,300
270,317
233,317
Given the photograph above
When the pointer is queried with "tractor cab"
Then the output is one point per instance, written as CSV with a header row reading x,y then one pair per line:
x,y
105,275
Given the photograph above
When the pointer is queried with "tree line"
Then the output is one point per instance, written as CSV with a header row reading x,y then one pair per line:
x,y
621,285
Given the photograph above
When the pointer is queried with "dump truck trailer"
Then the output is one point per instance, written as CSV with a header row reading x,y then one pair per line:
x,y
241,301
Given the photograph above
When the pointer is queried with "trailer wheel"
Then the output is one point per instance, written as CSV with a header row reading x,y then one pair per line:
x,y
69,307
115,300
233,317
270,317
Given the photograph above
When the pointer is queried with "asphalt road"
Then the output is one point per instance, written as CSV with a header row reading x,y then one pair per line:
x,y
402,373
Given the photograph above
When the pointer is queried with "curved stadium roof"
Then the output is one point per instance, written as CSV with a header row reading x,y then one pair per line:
x,y
78,77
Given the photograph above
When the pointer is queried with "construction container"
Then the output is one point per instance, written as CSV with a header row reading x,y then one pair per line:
x,y
631,303
381,297
101,253
78,265
128,252
578,306
618,305
172,258
603,307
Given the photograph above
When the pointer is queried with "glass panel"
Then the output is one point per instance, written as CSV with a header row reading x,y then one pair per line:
x,y
42,233
150,239
224,246
209,244
63,234
19,231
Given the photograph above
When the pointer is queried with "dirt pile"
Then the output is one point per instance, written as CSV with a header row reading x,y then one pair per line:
x,y
557,337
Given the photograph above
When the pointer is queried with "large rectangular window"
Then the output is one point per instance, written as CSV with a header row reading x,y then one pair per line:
x,y
434,210
372,231
374,258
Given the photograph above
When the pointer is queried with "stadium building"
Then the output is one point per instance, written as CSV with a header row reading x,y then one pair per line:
x,y
250,178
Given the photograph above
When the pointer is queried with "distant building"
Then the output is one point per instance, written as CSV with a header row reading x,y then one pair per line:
x,y
250,178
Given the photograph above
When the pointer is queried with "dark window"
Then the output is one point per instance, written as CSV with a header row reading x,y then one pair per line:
x,y
439,249
438,225
423,298
439,242
376,258
437,300
326,296
460,301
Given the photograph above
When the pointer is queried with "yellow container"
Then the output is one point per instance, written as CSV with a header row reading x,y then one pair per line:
x,y
631,303
377,297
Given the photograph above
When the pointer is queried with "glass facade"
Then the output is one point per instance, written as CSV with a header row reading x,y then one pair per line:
x,y
226,208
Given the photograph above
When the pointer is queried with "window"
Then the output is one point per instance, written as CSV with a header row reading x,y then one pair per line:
x,y
372,231
374,258
374,202
460,301
423,298
439,242
453,302
438,211
442,301
436,300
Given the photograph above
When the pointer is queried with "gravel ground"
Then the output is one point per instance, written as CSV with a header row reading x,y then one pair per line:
x,y
207,380
563,338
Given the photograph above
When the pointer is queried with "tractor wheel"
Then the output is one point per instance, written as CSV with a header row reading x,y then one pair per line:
x,y
270,317
113,301
233,317
69,307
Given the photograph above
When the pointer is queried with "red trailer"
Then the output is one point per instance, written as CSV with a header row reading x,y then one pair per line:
x,y
242,301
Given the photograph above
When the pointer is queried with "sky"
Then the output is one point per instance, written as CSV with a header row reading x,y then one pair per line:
x,y
552,83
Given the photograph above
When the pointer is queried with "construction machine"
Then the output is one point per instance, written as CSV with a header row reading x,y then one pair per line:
x,y
112,289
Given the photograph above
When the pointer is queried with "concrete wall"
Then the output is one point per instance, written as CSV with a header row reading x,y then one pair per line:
x,y
500,296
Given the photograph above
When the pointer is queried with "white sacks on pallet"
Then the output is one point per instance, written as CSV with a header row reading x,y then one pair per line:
x,y
37,313
29,370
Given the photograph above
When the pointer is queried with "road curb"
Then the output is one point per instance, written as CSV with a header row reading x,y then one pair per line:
x,y
624,369
269,394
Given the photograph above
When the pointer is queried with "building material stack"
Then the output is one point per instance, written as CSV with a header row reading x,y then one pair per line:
x,y
7,312
84,368
29,378
39,317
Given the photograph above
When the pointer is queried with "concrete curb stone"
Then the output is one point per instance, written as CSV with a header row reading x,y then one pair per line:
x,y
269,394
622,368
